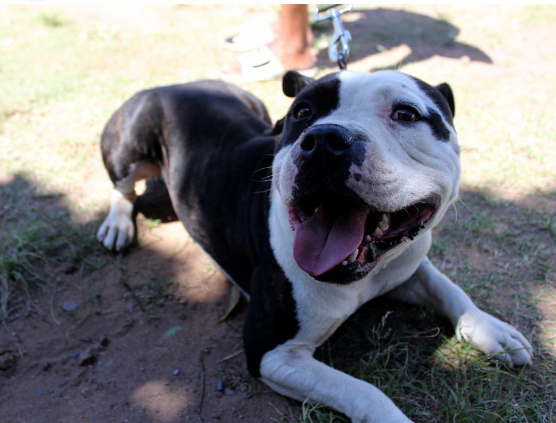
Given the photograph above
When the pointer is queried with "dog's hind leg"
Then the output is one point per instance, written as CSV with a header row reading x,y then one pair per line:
x,y
130,148
118,229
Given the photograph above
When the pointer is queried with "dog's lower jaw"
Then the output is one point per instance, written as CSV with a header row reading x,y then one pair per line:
x,y
292,371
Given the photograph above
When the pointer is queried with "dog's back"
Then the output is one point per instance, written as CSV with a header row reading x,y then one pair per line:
x,y
182,132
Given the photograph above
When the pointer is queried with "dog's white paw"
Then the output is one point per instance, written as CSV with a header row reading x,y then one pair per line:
x,y
117,231
494,337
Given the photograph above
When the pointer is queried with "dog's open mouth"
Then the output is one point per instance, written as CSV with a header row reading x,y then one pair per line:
x,y
334,238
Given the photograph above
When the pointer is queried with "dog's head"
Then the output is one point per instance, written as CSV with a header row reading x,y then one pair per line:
x,y
365,164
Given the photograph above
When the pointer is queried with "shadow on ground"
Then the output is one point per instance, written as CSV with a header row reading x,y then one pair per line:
x,y
378,30
138,336
134,336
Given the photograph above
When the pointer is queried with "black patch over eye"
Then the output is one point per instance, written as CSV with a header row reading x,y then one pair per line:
x,y
405,114
302,111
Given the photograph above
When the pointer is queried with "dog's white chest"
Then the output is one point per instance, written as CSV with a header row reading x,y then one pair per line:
x,y
321,307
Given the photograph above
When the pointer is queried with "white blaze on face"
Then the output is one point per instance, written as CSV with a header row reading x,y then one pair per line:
x,y
403,164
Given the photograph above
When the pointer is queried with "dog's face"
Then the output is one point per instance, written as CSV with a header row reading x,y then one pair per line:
x,y
365,164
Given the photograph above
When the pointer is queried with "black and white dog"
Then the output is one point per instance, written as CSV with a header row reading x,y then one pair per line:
x,y
357,174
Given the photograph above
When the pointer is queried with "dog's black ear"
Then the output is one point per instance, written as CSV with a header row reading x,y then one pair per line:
x,y
448,95
293,83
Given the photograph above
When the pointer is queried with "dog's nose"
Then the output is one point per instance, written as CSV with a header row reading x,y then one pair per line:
x,y
325,140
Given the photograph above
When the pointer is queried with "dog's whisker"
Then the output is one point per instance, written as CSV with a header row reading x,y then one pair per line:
x,y
465,205
263,168
262,180
263,191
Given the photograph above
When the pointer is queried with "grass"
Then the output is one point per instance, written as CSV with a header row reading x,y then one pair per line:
x,y
431,376
64,72
53,19
39,237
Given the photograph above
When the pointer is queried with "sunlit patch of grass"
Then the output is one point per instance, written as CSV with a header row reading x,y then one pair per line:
x,y
53,19
442,380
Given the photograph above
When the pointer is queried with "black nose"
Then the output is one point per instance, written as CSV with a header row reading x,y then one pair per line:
x,y
326,140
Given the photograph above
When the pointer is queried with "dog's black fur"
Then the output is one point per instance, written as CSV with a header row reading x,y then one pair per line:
x,y
186,130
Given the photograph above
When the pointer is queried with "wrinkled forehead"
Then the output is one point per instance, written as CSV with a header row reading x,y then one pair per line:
x,y
365,100
357,88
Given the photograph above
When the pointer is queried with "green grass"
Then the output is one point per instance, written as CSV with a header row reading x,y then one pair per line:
x,y
53,19
39,239
430,375
63,73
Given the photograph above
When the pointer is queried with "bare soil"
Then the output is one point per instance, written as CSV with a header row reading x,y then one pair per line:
x,y
159,350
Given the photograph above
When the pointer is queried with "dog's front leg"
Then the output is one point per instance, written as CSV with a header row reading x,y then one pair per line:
x,y
292,371
429,287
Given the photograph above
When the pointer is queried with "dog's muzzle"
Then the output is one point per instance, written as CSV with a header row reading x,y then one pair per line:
x,y
327,142
339,236
324,156
330,145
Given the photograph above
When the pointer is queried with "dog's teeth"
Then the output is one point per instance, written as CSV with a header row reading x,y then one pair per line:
x,y
384,218
368,238
377,232
344,263
353,256
382,224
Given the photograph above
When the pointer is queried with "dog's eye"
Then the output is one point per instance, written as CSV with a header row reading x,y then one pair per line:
x,y
302,111
406,114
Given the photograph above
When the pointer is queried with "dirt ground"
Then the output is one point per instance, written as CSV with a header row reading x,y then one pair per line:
x,y
142,338
139,338
135,354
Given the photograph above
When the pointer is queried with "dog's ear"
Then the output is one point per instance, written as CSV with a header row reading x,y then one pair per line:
x,y
293,83
448,95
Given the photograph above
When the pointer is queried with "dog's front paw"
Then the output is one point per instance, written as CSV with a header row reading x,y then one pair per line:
x,y
494,337
117,231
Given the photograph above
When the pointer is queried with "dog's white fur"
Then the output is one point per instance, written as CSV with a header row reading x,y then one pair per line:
x,y
403,165
117,230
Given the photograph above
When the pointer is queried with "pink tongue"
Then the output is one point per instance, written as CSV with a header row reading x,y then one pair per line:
x,y
325,239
